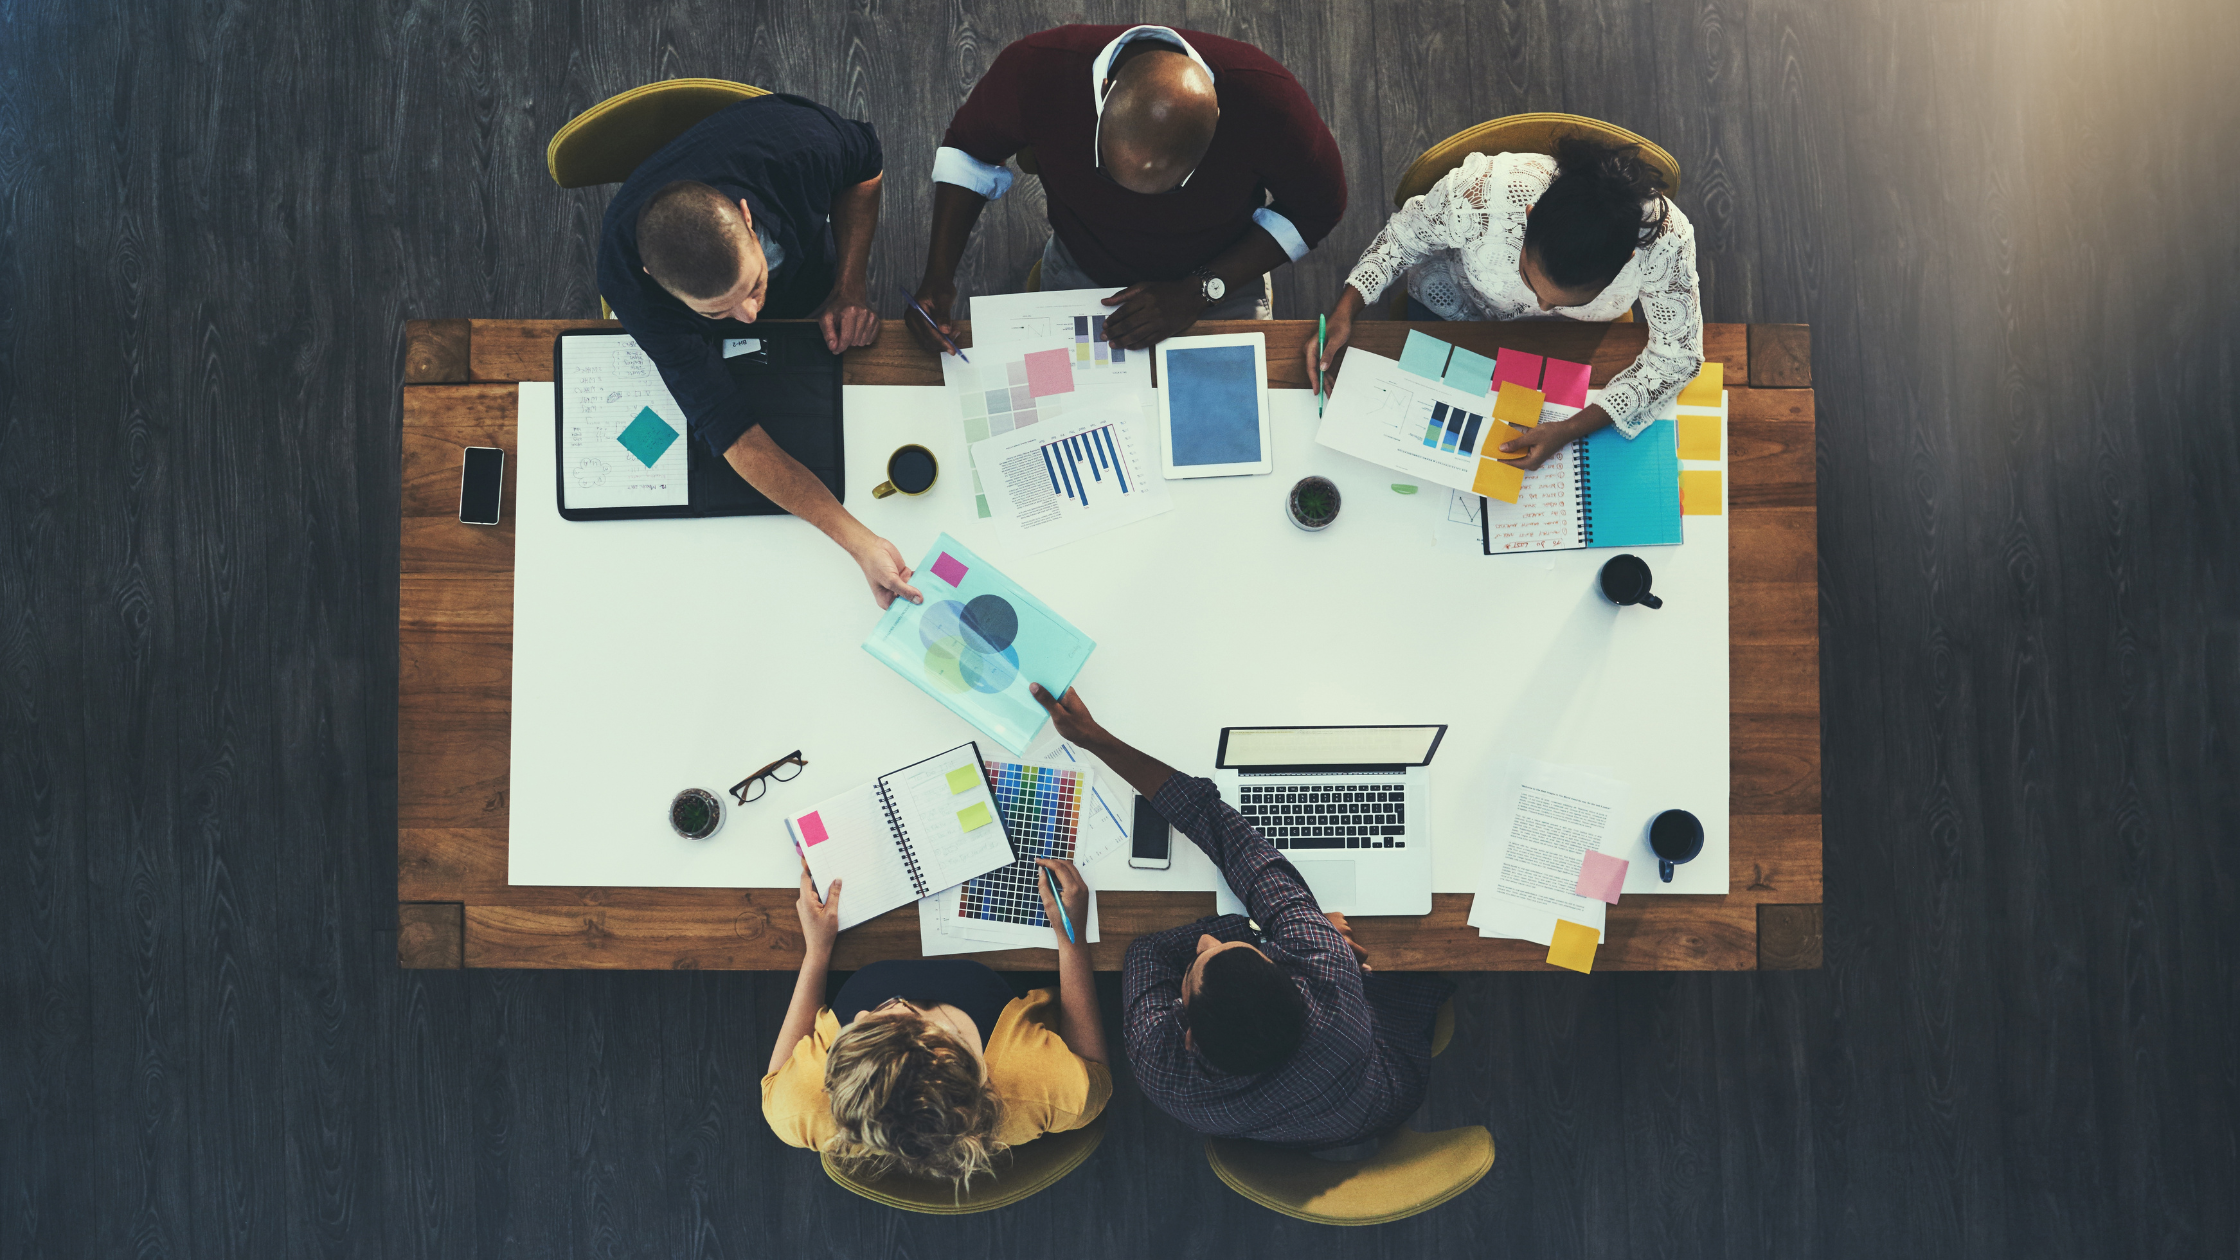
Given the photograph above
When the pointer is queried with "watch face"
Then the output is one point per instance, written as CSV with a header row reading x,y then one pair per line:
x,y
1215,288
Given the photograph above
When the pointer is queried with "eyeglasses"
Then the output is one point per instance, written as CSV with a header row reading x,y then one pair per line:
x,y
750,789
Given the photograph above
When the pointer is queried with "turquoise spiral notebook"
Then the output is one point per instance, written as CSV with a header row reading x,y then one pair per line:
x,y
1605,491
977,641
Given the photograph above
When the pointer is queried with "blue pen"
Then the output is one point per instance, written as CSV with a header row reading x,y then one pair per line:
x,y
935,324
1063,917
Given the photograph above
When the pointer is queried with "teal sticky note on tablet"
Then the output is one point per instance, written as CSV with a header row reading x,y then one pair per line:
x,y
1423,355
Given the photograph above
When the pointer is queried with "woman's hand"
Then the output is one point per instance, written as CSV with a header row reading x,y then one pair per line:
x,y
820,920
1322,371
1076,891
1534,447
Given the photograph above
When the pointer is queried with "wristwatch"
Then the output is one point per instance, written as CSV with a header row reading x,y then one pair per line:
x,y
1210,286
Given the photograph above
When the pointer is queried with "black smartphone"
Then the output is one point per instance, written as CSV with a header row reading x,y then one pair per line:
x,y
1152,840
482,479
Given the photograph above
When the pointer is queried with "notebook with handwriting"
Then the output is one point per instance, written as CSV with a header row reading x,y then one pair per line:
x,y
1602,491
904,835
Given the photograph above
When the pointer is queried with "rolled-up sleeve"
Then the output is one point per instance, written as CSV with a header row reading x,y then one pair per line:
x,y
1304,174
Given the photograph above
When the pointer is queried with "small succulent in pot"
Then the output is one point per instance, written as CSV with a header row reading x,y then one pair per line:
x,y
1313,503
695,814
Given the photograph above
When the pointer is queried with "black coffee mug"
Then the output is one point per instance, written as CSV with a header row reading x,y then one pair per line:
x,y
1676,836
1625,580
910,470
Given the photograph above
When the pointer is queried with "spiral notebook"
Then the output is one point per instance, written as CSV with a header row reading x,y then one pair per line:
x,y
904,835
1603,491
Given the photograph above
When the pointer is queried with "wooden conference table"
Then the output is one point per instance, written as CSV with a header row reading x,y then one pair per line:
x,y
455,677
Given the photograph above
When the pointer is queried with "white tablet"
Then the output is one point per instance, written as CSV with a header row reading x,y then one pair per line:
x,y
1213,406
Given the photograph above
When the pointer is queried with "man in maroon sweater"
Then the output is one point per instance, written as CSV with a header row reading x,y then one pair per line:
x,y
1158,151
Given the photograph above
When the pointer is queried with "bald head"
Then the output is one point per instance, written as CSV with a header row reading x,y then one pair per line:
x,y
1158,120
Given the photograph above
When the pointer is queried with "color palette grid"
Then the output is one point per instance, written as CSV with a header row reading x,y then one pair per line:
x,y
1041,807
1093,453
1452,429
1000,397
1089,345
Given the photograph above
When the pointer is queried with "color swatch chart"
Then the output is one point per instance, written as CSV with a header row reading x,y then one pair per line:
x,y
1089,345
1075,462
1041,808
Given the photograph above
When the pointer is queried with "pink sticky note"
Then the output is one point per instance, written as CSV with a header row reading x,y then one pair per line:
x,y
1566,383
1516,365
1049,372
1601,876
812,829
949,570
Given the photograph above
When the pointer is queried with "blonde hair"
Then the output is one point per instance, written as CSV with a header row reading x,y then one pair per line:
x,y
908,1097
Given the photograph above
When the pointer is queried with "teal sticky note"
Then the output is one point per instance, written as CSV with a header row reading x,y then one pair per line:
x,y
647,437
1469,371
1424,356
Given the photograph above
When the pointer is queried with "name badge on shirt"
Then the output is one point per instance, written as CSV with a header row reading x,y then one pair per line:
x,y
733,347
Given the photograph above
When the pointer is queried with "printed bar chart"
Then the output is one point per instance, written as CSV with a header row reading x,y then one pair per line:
x,y
1089,345
1091,454
1438,426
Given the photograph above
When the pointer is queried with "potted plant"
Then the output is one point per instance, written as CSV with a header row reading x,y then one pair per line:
x,y
1313,503
695,814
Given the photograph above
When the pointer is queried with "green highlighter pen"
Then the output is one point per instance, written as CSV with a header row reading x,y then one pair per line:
x,y
1321,336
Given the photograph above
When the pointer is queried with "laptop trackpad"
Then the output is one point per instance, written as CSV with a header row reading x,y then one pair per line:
x,y
1331,883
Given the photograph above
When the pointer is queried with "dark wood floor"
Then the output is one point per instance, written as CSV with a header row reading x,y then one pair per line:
x,y
2009,223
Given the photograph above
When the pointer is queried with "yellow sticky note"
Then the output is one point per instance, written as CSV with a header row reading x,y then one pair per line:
x,y
1496,434
1517,404
1700,493
963,779
1699,437
1496,480
1705,389
1573,946
974,816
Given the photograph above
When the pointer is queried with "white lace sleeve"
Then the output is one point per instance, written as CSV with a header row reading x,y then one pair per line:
x,y
1452,215
1674,355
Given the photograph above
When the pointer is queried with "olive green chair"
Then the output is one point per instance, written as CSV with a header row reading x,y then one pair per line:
x,y
1027,1170
604,143
1410,1173
1519,133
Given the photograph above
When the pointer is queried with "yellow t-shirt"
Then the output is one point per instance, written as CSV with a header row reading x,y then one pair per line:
x,y
1045,1086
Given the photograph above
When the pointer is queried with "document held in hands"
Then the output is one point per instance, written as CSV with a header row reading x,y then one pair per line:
x,y
1546,819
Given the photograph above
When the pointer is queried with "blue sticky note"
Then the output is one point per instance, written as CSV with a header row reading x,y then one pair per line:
x,y
1469,371
648,436
1424,356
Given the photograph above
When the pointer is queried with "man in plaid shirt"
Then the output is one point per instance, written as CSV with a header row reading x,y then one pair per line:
x,y
1271,1027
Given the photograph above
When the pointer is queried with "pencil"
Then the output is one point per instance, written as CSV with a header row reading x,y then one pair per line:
x,y
1063,917
1321,335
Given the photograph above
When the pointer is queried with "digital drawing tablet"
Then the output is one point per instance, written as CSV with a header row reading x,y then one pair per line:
x,y
1213,406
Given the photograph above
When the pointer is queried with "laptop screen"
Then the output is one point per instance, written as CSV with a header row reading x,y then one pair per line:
x,y
1256,747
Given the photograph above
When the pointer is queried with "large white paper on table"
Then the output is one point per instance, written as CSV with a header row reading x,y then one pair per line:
x,y
1062,481
1545,819
608,386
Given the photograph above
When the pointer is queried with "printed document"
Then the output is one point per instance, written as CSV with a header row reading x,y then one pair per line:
x,y
1545,819
623,438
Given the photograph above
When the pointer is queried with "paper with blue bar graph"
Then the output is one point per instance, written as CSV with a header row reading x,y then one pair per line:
x,y
1425,429
1068,477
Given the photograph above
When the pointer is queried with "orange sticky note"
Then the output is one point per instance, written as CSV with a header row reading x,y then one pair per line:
x,y
1496,434
1573,945
1518,405
1699,437
1496,480
1705,389
1700,493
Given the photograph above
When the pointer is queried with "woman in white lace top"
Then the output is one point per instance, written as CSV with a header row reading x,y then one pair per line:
x,y
1581,235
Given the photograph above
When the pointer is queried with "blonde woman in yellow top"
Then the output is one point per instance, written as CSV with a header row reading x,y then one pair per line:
x,y
930,1067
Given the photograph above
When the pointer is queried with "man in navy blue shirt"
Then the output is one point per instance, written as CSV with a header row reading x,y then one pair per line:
x,y
766,207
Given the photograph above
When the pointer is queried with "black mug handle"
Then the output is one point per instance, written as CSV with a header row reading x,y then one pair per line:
x,y
1651,601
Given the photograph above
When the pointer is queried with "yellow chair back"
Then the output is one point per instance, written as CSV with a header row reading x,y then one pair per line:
x,y
1524,133
1410,1173
604,143
1030,1169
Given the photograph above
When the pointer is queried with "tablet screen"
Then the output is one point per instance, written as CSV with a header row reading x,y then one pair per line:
x,y
1213,405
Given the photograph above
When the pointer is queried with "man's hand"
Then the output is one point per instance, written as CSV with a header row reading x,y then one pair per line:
x,y
1072,717
1076,890
820,920
847,320
1153,312
1345,930
938,297
883,568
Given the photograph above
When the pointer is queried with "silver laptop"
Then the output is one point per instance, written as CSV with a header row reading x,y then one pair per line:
x,y
1349,805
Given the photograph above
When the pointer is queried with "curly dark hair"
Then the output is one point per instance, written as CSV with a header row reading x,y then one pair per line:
x,y
1585,227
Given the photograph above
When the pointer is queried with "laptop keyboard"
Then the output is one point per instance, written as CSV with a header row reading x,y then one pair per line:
x,y
1326,815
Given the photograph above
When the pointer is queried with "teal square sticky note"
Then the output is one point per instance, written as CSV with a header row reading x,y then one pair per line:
x,y
1469,371
1424,356
648,437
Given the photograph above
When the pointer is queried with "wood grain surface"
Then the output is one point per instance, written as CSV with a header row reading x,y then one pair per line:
x,y
454,687
2006,223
